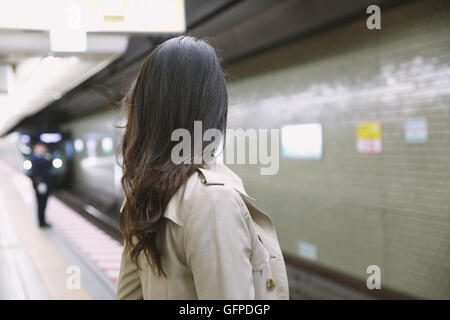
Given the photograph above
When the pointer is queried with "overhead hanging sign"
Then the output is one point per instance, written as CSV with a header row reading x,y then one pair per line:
x,y
368,137
152,16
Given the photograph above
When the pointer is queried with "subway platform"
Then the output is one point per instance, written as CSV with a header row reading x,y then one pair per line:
x,y
73,259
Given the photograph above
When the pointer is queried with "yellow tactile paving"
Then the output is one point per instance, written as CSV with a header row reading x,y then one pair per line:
x,y
46,260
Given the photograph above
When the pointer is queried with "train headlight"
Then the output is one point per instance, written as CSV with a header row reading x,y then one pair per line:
x,y
57,163
27,165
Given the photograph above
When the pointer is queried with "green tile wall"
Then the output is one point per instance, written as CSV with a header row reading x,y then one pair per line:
x,y
390,209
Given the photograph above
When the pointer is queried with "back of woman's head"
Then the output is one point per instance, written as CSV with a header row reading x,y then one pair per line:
x,y
180,82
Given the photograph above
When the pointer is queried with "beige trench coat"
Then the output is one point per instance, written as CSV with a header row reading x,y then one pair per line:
x,y
215,244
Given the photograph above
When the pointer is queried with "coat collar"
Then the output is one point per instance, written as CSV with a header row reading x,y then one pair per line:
x,y
217,173
210,174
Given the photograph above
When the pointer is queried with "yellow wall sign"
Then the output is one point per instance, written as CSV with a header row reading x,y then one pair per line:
x,y
368,137
369,130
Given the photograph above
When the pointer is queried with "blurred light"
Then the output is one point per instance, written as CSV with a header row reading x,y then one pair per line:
x,y
107,145
25,138
57,163
27,165
78,145
50,137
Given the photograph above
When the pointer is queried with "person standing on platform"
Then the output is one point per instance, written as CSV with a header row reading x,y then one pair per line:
x,y
190,229
42,179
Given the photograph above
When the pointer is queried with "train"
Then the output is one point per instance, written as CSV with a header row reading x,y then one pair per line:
x,y
16,149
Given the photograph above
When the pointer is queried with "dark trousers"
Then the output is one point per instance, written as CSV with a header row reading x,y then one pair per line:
x,y
41,204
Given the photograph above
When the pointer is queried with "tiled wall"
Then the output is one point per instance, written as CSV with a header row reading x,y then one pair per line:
x,y
390,209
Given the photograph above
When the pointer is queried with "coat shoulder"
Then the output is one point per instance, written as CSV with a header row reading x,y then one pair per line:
x,y
204,189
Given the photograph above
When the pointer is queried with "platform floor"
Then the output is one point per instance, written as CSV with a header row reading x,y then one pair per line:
x,y
49,263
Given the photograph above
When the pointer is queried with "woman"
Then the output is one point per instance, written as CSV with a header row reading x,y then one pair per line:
x,y
190,230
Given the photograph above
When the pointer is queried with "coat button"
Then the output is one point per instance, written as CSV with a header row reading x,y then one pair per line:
x,y
271,283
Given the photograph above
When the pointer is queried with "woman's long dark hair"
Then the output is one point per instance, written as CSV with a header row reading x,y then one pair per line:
x,y
180,82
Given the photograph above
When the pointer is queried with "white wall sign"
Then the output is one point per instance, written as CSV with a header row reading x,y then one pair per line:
x,y
416,130
302,141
